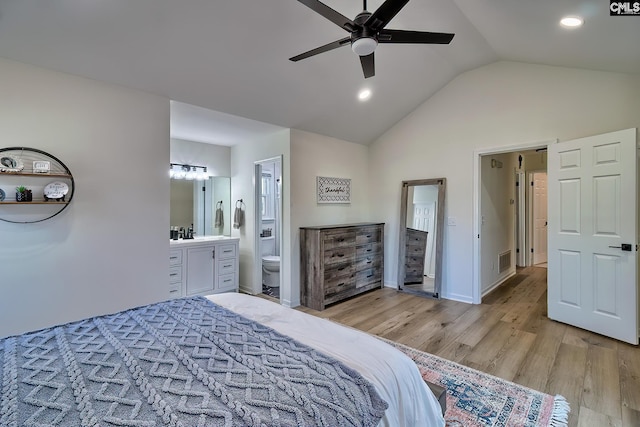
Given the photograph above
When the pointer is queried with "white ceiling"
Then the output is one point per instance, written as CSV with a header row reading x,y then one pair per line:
x,y
232,56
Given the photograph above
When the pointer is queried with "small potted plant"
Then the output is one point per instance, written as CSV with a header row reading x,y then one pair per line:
x,y
21,194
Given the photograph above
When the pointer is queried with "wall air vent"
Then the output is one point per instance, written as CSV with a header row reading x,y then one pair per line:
x,y
504,261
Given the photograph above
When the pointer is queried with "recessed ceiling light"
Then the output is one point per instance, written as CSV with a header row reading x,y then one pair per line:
x,y
571,21
364,94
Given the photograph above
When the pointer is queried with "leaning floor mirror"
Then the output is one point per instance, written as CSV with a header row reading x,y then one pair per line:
x,y
421,236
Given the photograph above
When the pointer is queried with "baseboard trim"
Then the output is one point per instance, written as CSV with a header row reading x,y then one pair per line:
x,y
457,297
497,284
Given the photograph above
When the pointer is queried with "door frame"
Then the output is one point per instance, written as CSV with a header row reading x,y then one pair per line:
x,y
477,190
521,219
257,201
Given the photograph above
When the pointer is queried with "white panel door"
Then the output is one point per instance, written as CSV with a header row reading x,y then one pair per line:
x,y
539,180
592,276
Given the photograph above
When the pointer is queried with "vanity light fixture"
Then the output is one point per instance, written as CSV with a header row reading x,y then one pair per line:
x,y
364,94
571,21
189,172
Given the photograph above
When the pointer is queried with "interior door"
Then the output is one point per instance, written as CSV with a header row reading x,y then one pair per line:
x,y
539,180
592,275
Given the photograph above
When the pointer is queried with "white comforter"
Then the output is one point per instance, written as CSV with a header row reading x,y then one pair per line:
x,y
394,375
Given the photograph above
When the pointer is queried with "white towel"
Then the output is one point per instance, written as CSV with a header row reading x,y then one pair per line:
x,y
238,218
219,221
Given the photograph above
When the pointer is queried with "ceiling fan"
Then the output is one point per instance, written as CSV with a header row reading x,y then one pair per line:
x,y
367,30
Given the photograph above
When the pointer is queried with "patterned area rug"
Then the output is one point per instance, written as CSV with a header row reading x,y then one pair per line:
x,y
478,399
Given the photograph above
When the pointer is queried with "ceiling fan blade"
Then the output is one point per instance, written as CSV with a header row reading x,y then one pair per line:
x,y
384,14
327,47
333,16
368,66
402,36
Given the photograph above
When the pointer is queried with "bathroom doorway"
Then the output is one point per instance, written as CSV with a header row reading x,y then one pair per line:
x,y
268,186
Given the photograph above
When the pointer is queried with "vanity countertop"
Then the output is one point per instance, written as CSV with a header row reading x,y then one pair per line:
x,y
201,239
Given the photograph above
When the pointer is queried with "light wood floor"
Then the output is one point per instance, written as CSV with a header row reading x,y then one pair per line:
x,y
509,336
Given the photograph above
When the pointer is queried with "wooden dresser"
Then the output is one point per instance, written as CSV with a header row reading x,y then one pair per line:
x,y
340,261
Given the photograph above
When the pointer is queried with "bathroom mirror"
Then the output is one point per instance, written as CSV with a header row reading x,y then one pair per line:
x,y
421,236
205,204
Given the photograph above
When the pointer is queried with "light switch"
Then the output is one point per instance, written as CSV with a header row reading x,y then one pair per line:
x,y
451,220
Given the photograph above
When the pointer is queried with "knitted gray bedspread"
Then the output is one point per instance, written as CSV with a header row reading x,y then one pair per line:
x,y
185,362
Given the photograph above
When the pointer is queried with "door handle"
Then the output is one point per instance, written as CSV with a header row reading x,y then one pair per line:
x,y
624,247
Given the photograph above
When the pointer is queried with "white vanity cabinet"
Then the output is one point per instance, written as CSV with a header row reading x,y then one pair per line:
x,y
200,270
203,266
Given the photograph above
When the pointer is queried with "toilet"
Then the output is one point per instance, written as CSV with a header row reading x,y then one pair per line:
x,y
271,271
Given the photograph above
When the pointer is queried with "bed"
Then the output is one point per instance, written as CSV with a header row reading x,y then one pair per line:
x,y
223,360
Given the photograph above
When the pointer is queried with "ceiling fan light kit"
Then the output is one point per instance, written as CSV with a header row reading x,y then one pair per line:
x,y
364,46
367,30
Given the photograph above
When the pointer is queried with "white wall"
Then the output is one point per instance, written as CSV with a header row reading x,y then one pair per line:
x,y
108,250
243,158
501,104
314,155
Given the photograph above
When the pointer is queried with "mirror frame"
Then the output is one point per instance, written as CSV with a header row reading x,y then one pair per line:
x,y
439,226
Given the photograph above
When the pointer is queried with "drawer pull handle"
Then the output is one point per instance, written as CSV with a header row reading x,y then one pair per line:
x,y
339,255
173,274
368,236
340,284
371,275
369,261
228,250
173,257
369,250
342,268
227,266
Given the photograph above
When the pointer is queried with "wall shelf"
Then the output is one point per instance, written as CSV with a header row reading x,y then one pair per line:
x,y
34,202
23,167
39,175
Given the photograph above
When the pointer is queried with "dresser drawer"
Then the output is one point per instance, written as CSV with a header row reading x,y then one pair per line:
x,y
339,238
416,237
339,269
175,257
372,249
337,285
414,261
226,251
226,266
369,235
368,276
368,261
345,254
175,274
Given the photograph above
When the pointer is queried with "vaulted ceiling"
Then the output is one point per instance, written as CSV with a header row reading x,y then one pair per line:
x,y
232,56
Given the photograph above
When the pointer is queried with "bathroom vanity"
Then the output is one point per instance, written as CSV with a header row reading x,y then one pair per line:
x,y
202,266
